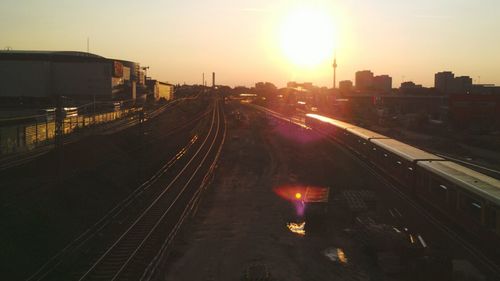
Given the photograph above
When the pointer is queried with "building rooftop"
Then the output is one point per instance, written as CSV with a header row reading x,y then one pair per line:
x,y
49,55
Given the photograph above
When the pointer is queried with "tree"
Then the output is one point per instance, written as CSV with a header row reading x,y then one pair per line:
x,y
265,89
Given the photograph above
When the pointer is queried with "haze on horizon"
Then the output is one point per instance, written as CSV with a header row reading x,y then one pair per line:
x,y
243,41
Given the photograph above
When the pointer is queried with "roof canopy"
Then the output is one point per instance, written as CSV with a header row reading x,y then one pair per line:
x,y
50,56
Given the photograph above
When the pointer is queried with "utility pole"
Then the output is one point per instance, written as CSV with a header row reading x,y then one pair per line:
x,y
140,156
59,134
59,125
93,110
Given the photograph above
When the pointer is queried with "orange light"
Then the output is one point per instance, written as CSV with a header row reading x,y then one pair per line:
x,y
297,228
298,195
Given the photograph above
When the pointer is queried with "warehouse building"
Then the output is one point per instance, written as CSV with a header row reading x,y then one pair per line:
x,y
160,90
78,75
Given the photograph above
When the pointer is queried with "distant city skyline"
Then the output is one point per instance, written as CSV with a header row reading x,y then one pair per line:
x,y
240,41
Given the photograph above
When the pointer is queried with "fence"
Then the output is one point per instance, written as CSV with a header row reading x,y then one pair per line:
x,y
40,131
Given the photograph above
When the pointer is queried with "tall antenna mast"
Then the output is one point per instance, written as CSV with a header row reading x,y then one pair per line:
x,y
88,45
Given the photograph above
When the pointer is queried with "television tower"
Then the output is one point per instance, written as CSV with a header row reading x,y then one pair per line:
x,y
334,71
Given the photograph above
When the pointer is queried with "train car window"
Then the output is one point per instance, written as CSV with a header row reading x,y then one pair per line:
x,y
452,198
471,207
387,158
409,175
490,217
438,191
422,181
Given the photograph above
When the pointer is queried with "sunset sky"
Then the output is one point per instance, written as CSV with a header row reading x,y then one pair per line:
x,y
249,41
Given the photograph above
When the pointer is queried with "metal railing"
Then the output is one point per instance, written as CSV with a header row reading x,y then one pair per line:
x,y
23,134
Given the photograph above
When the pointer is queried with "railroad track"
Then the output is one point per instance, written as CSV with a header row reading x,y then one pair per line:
x,y
22,158
482,169
55,267
131,121
472,250
126,257
53,263
191,208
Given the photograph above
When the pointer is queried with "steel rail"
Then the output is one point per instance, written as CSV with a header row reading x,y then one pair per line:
x,y
146,211
471,249
157,259
105,220
468,247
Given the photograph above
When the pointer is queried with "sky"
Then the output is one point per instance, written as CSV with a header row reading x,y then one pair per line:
x,y
249,41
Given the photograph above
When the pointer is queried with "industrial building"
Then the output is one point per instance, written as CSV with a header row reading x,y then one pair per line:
x,y
160,90
79,75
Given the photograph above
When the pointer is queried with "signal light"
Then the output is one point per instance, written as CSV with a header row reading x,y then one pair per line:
x,y
298,195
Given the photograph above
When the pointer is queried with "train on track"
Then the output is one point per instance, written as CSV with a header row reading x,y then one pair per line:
x,y
466,197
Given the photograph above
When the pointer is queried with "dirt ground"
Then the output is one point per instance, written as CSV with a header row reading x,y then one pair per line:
x,y
241,226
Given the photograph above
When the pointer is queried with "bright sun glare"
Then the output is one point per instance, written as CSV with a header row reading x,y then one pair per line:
x,y
307,37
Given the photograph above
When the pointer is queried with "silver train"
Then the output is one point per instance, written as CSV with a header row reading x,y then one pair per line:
x,y
466,197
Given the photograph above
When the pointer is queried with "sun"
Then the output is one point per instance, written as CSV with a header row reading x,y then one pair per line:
x,y
307,37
